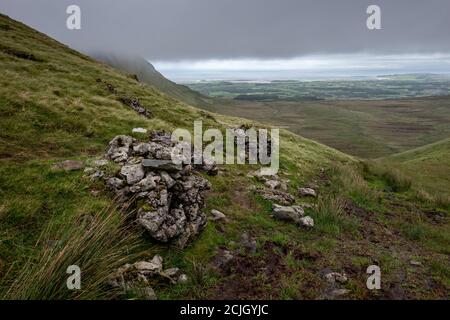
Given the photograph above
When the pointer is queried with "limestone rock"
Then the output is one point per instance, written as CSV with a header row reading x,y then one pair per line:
x,y
307,222
156,164
307,192
132,173
217,215
288,213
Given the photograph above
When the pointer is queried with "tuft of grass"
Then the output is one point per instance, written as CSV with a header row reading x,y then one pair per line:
x,y
98,246
329,216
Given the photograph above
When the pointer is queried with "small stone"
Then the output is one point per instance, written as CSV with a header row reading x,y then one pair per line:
x,y
307,192
210,169
89,170
167,179
147,293
415,263
287,213
100,163
114,183
272,184
133,173
248,242
340,292
336,277
171,273
183,279
139,130
69,165
217,215
307,222
97,175
155,265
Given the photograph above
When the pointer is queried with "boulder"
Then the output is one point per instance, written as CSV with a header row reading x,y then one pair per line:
x,y
288,213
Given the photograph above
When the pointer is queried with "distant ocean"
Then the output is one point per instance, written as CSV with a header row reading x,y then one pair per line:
x,y
303,68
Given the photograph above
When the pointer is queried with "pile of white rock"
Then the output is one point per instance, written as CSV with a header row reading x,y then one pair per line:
x,y
169,197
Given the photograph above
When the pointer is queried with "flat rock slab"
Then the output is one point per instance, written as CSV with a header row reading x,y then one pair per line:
x,y
166,165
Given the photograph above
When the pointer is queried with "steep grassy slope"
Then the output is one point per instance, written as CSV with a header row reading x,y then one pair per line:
x,y
57,104
146,73
428,165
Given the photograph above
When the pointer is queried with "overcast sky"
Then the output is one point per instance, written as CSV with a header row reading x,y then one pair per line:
x,y
216,39
226,29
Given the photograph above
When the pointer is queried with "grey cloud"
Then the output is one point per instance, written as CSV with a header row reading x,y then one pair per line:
x,y
202,29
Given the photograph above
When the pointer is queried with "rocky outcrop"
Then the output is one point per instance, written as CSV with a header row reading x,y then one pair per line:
x,y
168,197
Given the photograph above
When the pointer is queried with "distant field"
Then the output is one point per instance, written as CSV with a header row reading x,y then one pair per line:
x,y
382,87
365,128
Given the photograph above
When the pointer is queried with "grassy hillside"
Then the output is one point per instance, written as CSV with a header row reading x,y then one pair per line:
x,y
146,73
429,165
56,104
367,129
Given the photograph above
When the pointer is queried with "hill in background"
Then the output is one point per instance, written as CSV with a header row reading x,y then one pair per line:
x,y
146,73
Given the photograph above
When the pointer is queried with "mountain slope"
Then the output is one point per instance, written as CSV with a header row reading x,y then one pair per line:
x,y
57,104
146,73
428,165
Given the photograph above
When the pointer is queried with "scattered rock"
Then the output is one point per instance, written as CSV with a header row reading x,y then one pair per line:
x,y
223,258
183,279
248,242
69,165
154,266
333,277
97,175
307,222
100,163
307,192
415,263
276,196
135,277
139,130
134,104
273,184
217,215
291,213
